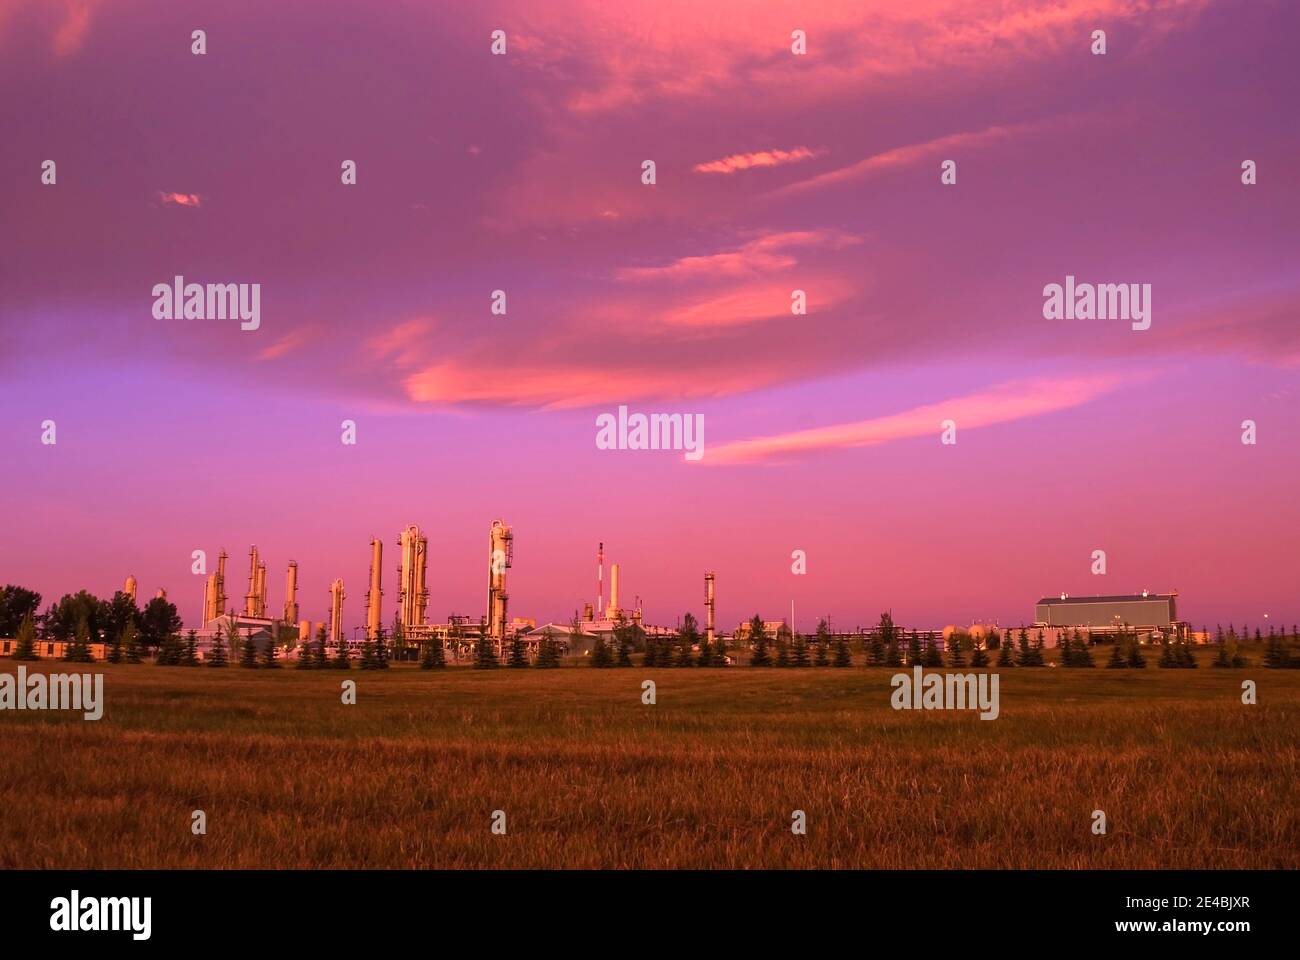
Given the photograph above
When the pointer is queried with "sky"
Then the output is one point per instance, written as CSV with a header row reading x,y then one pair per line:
x,y
774,172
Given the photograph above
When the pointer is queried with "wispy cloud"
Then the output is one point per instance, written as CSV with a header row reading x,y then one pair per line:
x,y
748,161
180,199
765,254
1010,401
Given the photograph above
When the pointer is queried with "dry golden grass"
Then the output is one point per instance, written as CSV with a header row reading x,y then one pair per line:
x,y
708,777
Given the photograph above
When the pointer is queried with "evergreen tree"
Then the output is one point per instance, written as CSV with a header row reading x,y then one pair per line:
x,y
248,654
1135,659
1065,650
518,656
341,659
955,657
217,654
381,655
1024,653
651,657
782,649
706,654
1004,652
823,641
932,657
893,656
368,661
1167,658
1221,657
485,654
1116,661
114,654
600,656
876,649
132,645
719,657
758,637
623,634
993,641
979,657
1038,660
440,653
25,649
1082,651
843,654
1183,654
271,658
547,655
687,636
190,651
306,655
321,651
426,655
913,649
1275,654
171,652
800,658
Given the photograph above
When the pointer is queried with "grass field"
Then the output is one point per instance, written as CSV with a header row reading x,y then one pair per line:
x,y
588,776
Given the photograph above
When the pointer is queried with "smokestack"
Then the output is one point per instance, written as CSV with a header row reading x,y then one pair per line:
x,y
129,587
374,616
600,580
260,605
336,612
291,593
612,611
708,608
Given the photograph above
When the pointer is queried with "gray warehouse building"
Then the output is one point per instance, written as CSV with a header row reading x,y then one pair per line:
x,y
1142,611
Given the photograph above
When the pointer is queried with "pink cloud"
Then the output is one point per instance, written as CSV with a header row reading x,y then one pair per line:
x,y
180,199
748,161
1009,401
761,255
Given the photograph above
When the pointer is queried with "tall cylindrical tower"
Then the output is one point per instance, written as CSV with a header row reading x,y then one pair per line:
x,y
129,587
259,606
291,593
336,612
501,554
374,614
220,595
708,607
413,595
250,598
210,611
612,611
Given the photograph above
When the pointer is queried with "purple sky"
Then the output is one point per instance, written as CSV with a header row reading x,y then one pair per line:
x,y
775,172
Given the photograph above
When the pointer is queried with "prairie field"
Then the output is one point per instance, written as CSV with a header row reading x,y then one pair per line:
x,y
590,777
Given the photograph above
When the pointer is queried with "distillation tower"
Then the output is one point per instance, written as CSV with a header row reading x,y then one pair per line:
x,y
291,594
374,596
708,608
501,555
413,595
336,612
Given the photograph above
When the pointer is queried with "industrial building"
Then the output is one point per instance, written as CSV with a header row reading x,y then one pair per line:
x,y
1145,613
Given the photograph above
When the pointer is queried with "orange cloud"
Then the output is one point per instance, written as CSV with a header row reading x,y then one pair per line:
x,y
1010,401
402,342
761,255
285,345
180,199
747,161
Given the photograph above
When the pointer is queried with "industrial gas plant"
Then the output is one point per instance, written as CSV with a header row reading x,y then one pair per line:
x,y
409,627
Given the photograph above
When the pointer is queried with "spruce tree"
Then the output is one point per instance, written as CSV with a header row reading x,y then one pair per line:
x,y
217,654
1065,651
782,651
843,654
341,659
719,657
706,654
876,649
893,656
320,650
381,656
485,655
913,649
932,657
426,655
368,655
1275,654
823,641
248,654
25,649
191,656
271,658
651,656
758,637
1082,652
600,657
1004,653
687,637
1221,657
624,638
955,657
1135,659
1167,658
979,657
518,656
800,658
1116,661
114,654
547,655
1038,660
171,652
1024,653
440,653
